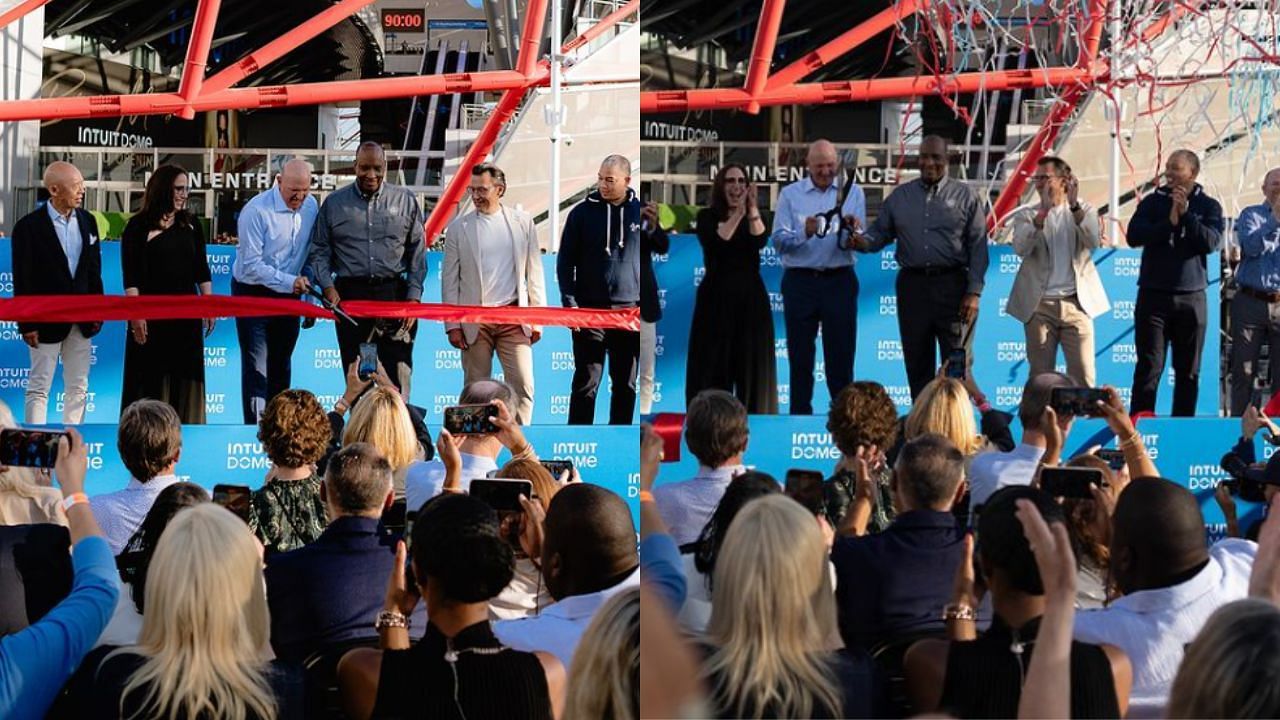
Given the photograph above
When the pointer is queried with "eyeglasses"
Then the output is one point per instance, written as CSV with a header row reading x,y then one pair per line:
x,y
181,189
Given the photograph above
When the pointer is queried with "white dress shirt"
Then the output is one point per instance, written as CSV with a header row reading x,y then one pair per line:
x,y
687,505
68,231
1154,626
425,480
121,513
559,628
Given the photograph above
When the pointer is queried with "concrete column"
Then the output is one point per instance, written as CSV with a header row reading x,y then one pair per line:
x,y
21,70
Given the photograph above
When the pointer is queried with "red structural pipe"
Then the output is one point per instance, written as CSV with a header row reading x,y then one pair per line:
x,y
283,45
606,22
845,42
762,50
480,148
19,10
197,54
535,17
863,90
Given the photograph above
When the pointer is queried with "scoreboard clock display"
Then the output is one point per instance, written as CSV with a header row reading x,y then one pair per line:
x,y
404,20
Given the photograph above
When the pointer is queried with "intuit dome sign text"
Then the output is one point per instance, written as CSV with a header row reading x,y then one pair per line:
x,y
813,446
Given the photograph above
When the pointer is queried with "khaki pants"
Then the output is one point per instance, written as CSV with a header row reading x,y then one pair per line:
x,y
76,352
1061,321
515,354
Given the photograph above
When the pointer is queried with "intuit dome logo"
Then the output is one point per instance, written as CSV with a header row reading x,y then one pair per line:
x,y
560,405
219,264
448,359
215,356
813,446
1124,353
1205,477
443,400
215,403
1011,351
327,359
1123,309
14,377
562,360
9,331
246,456
888,350
889,305
585,455
6,284
61,398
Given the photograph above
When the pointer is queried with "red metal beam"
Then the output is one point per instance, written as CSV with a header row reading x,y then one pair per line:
x,y
480,147
283,45
863,90
606,22
844,43
19,10
197,54
762,50
535,17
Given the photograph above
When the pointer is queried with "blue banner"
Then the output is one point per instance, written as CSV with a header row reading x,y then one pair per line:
x,y
437,377
1185,450
999,347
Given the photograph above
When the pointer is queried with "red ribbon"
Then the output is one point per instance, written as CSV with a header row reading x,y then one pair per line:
x,y
95,308
669,426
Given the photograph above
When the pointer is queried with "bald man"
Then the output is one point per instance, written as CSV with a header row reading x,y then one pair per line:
x,y
368,245
939,225
275,230
56,252
1255,309
819,289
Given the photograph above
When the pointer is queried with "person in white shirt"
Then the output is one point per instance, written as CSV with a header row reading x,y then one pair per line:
x,y
275,230
425,480
1057,292
1040,443
588,555
150,443
1170,583
56,252
492,259
715,429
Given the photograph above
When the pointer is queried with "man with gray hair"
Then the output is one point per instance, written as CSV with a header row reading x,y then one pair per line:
x,y
56,252
1255,309
492,259
599,267
275,229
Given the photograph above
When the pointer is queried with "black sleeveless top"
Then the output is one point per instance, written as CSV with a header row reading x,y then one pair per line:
x,y
491,681
984,676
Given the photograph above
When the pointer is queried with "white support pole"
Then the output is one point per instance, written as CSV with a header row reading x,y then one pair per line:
x,y
555,117
1117,117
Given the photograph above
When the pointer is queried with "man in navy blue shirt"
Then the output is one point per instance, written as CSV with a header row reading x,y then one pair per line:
x,y
898,581
1255,309
1177,227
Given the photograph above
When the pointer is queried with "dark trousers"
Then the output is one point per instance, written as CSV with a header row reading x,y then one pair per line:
x,y
266,353
1254,321
396,357
929,322
1162,319
813,298
590,348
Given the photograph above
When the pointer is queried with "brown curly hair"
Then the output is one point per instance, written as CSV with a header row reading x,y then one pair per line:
x,y
862,414
294,431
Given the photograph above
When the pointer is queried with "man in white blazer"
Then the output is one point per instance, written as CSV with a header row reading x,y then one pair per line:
x,y
1057,292
492,259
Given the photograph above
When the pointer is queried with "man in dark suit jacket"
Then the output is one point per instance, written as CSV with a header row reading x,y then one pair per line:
x,y
325,596
56,252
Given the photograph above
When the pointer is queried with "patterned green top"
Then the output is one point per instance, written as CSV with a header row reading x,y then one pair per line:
x,y
287,514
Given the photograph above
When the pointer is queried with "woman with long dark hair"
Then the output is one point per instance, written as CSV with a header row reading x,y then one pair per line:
x,y
731,338
162,253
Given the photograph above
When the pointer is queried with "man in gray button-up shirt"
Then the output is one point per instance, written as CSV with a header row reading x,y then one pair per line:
x,y
368,245
940,226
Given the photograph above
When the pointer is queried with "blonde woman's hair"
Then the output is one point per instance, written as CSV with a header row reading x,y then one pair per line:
x,y
944,408
206,629
604,681
1229,670
20,481
773,615
381,419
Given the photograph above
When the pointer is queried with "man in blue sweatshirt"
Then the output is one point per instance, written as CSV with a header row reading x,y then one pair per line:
x,y
1176,226
599,267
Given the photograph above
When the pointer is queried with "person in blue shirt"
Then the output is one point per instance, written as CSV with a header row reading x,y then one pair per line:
x,y
36,662
1176,226
1255,309
819,288
275,229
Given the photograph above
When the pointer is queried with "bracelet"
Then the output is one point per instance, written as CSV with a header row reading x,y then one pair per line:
x,y
955,611
1131,441
74,499
391,619
646,496
525,452
341,406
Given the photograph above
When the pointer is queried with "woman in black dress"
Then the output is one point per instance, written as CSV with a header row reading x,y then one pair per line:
x,y
162,253
731,338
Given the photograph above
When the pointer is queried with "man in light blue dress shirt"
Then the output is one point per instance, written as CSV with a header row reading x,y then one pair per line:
x,y
1255,309
819,287
275,230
